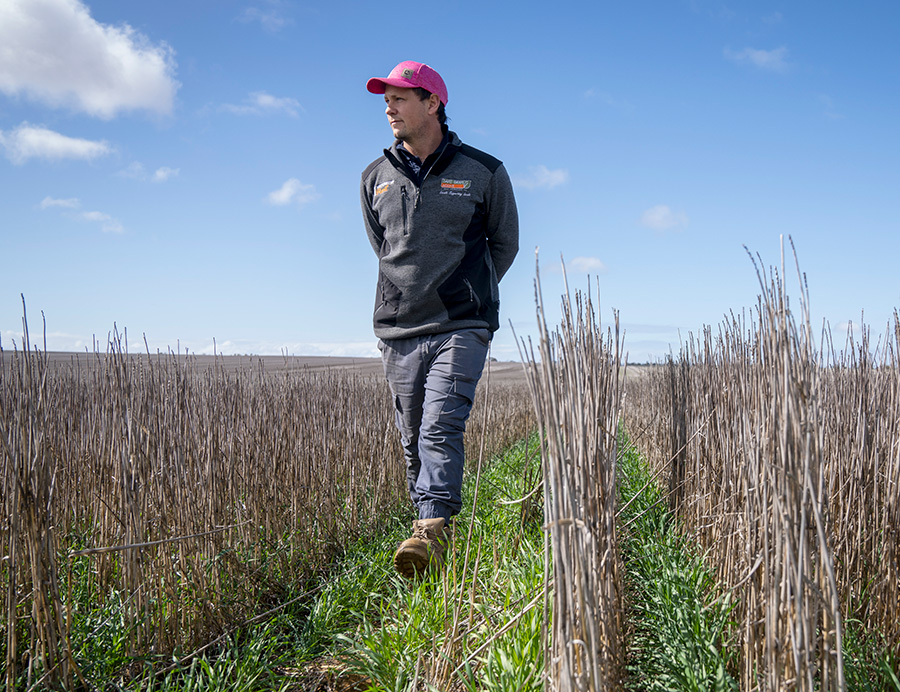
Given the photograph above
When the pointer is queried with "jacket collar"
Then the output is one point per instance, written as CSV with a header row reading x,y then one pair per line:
x,y
435,163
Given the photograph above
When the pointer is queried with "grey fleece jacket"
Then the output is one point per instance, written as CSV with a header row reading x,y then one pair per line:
x,y
443,246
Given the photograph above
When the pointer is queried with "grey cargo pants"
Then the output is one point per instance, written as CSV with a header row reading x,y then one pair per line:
x,y
433,380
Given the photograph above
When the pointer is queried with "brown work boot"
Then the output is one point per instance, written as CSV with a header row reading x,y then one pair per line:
x,y
425,549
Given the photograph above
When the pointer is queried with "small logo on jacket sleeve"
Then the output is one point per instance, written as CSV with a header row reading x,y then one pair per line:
x,y
383,187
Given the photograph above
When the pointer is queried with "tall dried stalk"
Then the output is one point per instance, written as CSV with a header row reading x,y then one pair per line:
x,y
576,390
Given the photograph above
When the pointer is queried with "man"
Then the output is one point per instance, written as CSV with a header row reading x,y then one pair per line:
x,y
442,219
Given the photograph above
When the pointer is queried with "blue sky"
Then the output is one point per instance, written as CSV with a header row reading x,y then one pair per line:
x,y
189,171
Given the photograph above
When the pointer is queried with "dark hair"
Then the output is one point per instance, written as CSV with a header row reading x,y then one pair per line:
x,y
424,94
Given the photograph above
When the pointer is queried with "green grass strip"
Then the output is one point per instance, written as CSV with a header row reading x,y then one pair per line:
x,y
679,624
678,615
477,625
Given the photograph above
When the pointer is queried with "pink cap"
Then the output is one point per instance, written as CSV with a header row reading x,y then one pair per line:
x,y
409,75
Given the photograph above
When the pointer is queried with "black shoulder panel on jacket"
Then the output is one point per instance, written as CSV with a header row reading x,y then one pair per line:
x,y
371,167
485,160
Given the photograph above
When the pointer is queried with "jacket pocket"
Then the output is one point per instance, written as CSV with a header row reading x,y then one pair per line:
x,y
461,298
387,304
473,296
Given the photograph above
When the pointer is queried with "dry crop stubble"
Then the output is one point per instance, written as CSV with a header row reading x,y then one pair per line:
x,y
576,387
789,481
186,495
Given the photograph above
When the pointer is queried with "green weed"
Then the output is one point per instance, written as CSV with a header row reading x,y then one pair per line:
x,y
869,664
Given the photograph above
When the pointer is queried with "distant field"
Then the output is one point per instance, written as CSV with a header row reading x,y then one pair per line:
x,y
502,372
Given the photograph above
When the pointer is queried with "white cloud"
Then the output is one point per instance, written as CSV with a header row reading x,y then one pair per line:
x,y
107,223
587,265
267,102
70,203
577,265
293,192
161,175
771,60
272,17
56,341
261,103
137,171
34,142
662,218
54,52
542,177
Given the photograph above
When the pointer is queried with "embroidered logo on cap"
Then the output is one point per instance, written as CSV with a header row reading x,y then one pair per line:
x,y
407,73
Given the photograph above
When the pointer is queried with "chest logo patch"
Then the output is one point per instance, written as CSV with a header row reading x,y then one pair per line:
x,y
383,187
449,184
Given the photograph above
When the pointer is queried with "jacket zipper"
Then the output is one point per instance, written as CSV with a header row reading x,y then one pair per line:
x,y
473,297
404,197
428,172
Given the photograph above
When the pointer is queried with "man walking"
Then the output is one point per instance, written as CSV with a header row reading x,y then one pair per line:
x,y
441,216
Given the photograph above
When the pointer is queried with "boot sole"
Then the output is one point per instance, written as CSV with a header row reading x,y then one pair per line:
x,y
410,564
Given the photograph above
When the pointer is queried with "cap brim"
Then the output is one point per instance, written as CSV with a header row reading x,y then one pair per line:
x,y
376,85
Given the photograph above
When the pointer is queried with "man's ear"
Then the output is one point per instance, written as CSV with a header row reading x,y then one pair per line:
x,y
434,102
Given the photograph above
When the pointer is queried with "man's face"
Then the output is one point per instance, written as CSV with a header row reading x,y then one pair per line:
x,y
408,115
